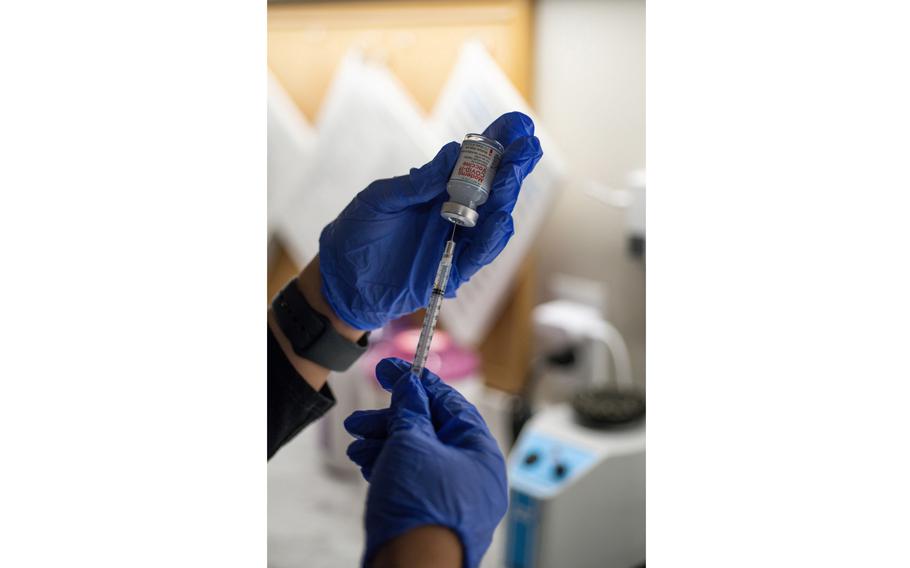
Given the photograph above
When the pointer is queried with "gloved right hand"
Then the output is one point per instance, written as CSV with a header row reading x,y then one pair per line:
x,y
430,460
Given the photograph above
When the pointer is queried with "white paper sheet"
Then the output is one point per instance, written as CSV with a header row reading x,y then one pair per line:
x,y
291,144
477,93
369,128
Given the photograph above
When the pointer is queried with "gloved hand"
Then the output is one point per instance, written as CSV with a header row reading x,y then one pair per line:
x,y
430,460
379,256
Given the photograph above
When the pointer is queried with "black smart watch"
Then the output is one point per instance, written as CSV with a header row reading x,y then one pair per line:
x,y
311,334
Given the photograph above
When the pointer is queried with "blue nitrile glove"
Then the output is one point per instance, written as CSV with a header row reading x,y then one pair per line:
x,y
430,460
379,256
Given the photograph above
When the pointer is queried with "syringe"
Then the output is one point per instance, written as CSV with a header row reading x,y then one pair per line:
x,y
429,320
466,192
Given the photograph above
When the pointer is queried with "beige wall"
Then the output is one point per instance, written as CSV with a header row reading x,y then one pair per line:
x,y
589,89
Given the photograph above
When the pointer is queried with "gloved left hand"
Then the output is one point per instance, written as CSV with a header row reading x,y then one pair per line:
x,y
379,256
430,460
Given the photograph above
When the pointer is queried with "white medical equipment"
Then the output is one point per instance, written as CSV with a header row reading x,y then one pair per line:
x,y
577,494
564,324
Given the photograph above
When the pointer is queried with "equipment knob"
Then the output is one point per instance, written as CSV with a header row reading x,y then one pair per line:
x,y
560,470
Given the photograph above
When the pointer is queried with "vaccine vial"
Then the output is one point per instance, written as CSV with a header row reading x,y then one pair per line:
x,y
472,179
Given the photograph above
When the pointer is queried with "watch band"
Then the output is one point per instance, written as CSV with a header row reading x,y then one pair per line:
x,y
311,334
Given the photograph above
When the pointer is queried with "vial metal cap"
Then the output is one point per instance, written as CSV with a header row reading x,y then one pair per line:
x,y
459,214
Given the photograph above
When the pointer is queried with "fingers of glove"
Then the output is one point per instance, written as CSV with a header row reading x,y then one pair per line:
x,y
410,406
421,185
445,403
456,420
364,453
495,228
509,127
409,399
369,424
486,243
517,162
389,370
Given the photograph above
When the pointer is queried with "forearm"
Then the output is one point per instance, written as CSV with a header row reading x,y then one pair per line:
x,y
292,402
310,284
424,547
297,389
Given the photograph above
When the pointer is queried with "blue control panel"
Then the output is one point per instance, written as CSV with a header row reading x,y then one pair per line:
x,y
542,464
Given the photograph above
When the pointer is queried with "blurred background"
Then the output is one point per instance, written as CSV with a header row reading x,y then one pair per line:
x,y
549,340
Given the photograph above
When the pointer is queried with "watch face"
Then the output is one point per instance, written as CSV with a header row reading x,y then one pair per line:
x,y
300,323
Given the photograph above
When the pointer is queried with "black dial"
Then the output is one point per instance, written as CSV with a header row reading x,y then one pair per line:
x,y
560,470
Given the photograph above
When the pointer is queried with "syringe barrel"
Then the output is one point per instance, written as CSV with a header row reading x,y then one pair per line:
x,y
432,314
444,268
426,334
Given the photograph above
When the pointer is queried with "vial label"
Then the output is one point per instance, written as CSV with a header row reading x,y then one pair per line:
x,y
476,164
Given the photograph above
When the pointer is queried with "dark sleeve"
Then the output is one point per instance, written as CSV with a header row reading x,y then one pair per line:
x,y
292,401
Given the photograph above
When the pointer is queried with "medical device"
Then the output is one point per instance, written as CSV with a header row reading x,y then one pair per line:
x,y
429,320
577,492
562,326
469,187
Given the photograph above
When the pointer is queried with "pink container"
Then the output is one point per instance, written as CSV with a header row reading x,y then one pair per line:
x,y
358,389
456,365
